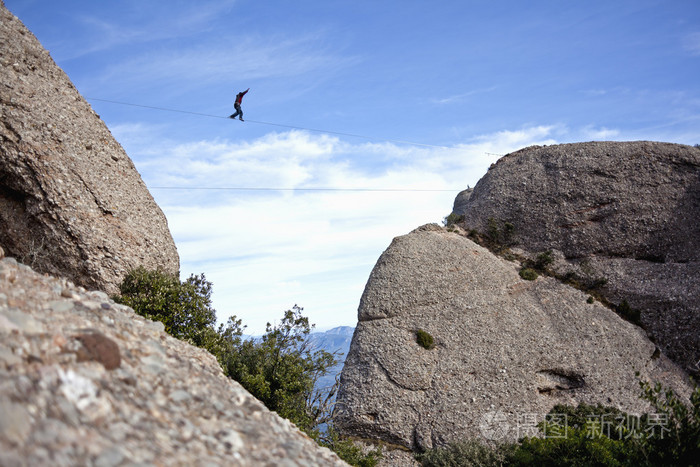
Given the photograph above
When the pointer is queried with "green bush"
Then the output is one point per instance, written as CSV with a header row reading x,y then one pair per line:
x,y
500,233
543,260
350,452
452,219
680,444
184,308
424,339
528,274
596,435
466,454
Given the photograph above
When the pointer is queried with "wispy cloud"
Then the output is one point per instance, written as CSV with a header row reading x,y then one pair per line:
x,y
463,96
590,132
245,59
143,26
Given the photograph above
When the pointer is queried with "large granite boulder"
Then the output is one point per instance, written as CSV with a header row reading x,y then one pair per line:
x,y
71,200
625,216
86,381
506,350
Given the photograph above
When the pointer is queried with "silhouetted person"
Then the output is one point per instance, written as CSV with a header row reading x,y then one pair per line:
x,y
237,105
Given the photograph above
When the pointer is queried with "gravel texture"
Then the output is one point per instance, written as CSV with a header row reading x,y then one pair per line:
x,y
86,381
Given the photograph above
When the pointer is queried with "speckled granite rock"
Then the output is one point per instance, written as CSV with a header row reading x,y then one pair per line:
x,y
86,381
506,349
71,200
624,212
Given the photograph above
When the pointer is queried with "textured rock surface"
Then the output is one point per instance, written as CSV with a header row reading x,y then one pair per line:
x,y
506,350
628,213
71,201
85,381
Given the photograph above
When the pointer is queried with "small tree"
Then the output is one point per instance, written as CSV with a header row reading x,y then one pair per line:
x,y
281,370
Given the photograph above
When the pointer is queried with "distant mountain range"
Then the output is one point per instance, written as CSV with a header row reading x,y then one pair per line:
x,y
334,340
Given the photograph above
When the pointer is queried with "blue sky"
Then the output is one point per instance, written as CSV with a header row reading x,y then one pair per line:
x,y
465,80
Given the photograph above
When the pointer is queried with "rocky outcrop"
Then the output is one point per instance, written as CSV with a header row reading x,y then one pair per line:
x,y
71,200
86,381
506,350
624,216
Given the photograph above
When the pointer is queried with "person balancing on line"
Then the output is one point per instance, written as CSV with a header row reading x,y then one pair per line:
x,y
237,105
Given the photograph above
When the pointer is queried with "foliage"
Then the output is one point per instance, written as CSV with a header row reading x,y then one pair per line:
x,y
668,436
466,453
500,233
281,370
680,445
424,339
184,308
452,219
543,260
589,435
350,452
528,274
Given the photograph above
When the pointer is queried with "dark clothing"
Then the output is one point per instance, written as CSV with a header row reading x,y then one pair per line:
x,y
237,105
239,96
238,113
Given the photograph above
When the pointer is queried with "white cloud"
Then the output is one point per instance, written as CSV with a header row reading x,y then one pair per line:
x,y
265,251
599,134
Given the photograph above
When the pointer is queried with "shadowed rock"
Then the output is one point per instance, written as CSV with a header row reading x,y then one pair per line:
x,y
623,217
71,200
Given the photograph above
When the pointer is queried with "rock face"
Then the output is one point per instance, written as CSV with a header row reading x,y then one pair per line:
x,y
506,350
623,214
71,201
86,381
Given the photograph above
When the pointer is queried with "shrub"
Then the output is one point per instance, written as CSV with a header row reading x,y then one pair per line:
x,y
681,443
499,232
424,339
184,308
528,274
452,219
350,452
596,436
543,260
466,453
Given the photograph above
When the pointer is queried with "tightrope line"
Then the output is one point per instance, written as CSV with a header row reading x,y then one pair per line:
x,y
330,132
235,188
